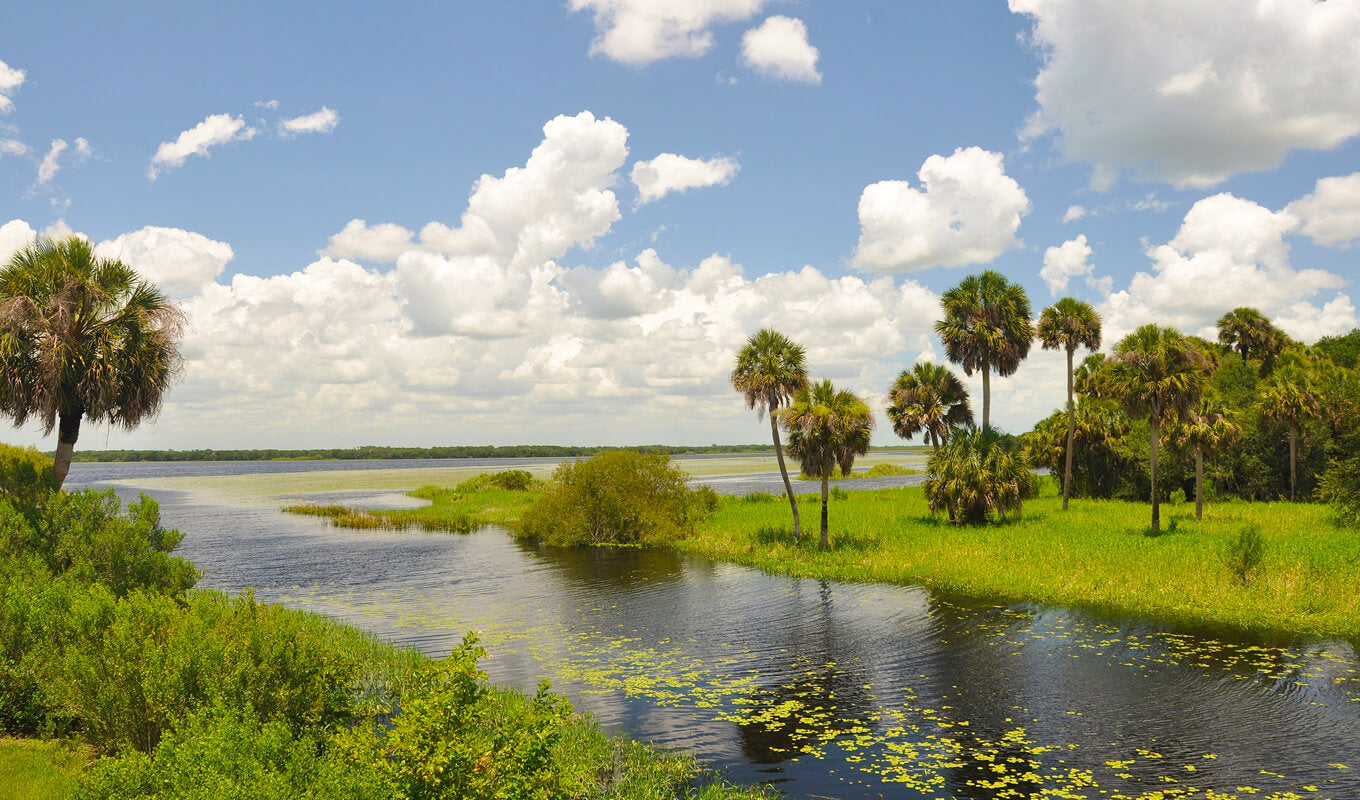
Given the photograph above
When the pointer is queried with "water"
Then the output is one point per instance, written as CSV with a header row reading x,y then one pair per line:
x,y
824,689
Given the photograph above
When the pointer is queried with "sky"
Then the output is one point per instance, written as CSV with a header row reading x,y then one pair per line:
x,y
556,221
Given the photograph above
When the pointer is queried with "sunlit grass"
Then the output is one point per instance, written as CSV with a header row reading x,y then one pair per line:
x,y
1097,555
37,770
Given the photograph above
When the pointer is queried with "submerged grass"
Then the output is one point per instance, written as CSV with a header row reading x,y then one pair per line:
x,y
1097,555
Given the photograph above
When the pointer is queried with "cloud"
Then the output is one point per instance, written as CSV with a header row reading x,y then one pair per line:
x,y
381,243
779,48
967,212
272,105
47,169
1330,216
1192,94
181,263
12,147
638,32
1073,214
323,121
1230,252
1065,262
10,80
672,173
14,236
214,130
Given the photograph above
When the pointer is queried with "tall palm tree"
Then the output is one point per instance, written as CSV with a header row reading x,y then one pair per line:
x,y
769,370
928,399
1155,372
1206,426
1069,324
82,337
827,428
1252,335
986,327
1289,396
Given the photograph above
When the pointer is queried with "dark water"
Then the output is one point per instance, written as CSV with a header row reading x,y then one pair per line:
x,y
824,689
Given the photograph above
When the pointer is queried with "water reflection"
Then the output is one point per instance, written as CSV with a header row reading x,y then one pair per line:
x,y
827,689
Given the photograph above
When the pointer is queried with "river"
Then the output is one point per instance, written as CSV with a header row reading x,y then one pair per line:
x,y
822,689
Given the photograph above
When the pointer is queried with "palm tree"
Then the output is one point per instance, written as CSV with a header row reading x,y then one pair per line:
x,y
928,399
1068,324
82,337
769,370
1206,426
827,428
1252,335
1155,372
1290,397
986,327
973,476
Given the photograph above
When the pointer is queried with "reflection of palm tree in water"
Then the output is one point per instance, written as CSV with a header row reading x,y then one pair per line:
x,y
818,694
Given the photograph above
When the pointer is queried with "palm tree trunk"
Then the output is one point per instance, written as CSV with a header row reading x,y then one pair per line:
x,y
1071,431
1199,483
1293,471
784,473
1156,507
68,430
986,395
826,539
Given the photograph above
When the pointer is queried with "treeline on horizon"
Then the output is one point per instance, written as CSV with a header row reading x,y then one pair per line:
x,y
376,452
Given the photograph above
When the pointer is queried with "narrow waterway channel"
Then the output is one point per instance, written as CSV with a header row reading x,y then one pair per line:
x,y
823,689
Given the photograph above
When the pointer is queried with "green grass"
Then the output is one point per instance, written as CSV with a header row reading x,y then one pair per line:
x,y
37,770
1097,555
459,510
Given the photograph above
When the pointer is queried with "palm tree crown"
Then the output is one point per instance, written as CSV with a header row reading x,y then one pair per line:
x,y
1289,396
827,428
82,337
986,327
928,399
769,370
1252,335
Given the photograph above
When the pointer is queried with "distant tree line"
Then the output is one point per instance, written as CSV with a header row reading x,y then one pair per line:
x,y
375,452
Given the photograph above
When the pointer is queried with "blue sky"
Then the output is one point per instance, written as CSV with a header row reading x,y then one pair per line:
x,y
491,222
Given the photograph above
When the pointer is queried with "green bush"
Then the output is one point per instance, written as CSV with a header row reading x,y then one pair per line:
x,y
1340,486
515,480
1244,553
26,477
451,740
85,535
223,754
976,476
616,497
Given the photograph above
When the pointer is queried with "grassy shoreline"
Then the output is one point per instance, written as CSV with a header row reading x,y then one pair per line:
x,y
1096,556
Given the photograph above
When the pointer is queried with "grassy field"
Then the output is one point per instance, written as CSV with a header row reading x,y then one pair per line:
x,y
1097,555
36,770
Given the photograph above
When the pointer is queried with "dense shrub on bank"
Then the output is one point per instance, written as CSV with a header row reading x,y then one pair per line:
x,y
618,497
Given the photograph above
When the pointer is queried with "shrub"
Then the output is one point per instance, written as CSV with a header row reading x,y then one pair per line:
x,y
758,497
975,476
888,471
837,493
1340,486
1245,552
26,477
616,497
452,739
514,480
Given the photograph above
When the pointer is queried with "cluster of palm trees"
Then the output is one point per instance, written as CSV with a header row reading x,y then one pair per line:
x,y
1155,373
82,337
827,427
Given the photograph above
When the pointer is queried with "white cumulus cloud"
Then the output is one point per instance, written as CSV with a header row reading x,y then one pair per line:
x,y
14,236
10,79
12,147
967,211
214,130
47,169
323,121
779,48
1065,262
672,173
1192,93
181,263
382,242
1330,216
1073,214
638,32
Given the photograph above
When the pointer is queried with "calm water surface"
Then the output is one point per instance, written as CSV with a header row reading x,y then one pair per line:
x,y
824,689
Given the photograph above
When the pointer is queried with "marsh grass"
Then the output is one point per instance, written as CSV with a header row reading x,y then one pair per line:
x,y
38,770
475,503
1306,580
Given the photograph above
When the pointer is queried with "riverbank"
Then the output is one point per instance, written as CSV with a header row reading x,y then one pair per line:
x,y
1095,556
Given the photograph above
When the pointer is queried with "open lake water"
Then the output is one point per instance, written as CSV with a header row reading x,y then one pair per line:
x,y
822,689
